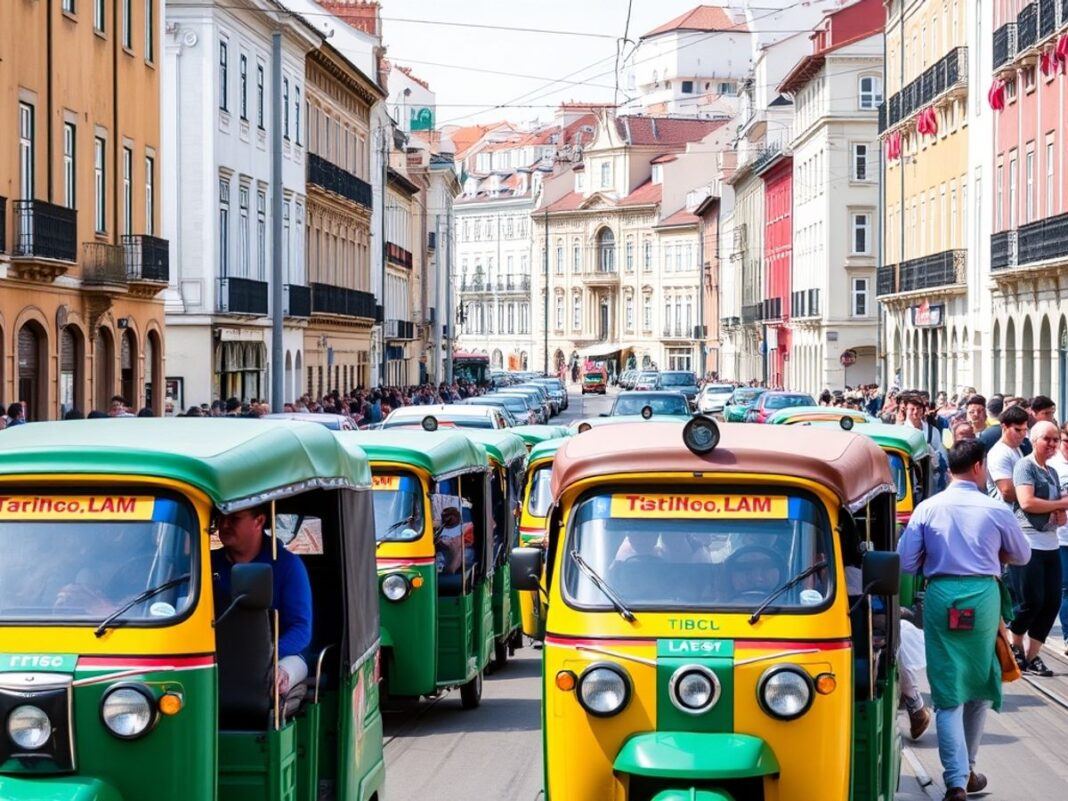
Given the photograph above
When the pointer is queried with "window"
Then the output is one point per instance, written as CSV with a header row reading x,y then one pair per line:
x,y
999,207
668,249
1028,78
871,91
576,259
127,190
127,26
1010,90
285,107
647,313
285,239
1029,176
606,174
606,251
150,195
628,312
576,312
99,13
860,297
687,87
860,162
861,234
559,257
296,111
243,243
26,151
244,86
70,141
224,100
100,186
150,31
727,88
68,6
1049,179
647,256
559,312
224,227
259,96
1013,175
630,255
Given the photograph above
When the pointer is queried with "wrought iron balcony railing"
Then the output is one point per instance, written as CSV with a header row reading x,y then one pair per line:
x,y
3,224
400,329
1047,18
148,258
947,73
1043,240
297,300
751,312
45,230
242,296
329,299
398,255
104,266
1003,250
338,180
1027,27
1004,44
886,280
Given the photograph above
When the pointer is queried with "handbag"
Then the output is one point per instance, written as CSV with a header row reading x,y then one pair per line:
x,y
1010,670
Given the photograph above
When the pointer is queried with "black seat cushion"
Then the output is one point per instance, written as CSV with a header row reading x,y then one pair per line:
x,y
245,652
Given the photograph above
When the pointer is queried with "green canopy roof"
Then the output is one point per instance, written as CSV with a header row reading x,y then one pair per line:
x,y
439,453
237,463
545,450
532,435
903,438
785,416
499,443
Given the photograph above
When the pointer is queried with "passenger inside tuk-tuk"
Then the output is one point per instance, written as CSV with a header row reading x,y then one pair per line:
x,y
459,539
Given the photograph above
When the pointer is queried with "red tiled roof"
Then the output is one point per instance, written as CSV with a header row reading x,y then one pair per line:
x,y
680,217
465,138
408,71
664,158
701,18
644,195
569,202
664,130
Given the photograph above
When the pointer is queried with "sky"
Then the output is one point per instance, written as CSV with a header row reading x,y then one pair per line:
x,y
463,56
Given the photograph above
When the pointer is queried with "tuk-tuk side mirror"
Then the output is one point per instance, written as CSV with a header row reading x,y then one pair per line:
x,y
527,565
881,573
251,587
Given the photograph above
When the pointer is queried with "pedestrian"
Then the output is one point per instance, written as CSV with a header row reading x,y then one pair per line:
x,y
959,539
962,430
1043,409
1004,455
1040,510
16,414
1059,462
975,411
73,414
916,416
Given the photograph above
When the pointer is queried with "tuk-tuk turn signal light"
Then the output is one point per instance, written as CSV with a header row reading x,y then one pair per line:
x,y
826,683
170,704
417,582
565,680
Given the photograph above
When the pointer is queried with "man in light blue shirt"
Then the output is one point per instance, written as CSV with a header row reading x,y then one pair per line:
x,y
959,538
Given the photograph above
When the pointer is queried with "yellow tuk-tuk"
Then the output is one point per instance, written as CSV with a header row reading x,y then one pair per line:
x,y
709,631
536,499
129,671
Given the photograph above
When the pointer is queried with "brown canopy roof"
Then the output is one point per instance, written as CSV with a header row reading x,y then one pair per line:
x,y
852,466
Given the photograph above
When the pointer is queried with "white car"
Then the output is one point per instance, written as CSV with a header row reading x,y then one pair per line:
x,y
713,398
448,415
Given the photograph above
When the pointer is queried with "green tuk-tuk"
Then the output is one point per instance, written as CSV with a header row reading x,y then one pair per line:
x,y
534,434
508,458
433,524
127,671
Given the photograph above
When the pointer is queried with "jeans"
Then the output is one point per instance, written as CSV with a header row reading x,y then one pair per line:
x,y
1064,592
960,730
1038,592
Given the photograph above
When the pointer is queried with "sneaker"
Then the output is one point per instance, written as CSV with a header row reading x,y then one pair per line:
x,y
1021,660
1036,667
976,782
919,722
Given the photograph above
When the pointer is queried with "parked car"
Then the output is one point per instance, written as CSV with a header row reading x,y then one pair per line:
x,y
662,404
556,389
522,408
594,382
741,399
771,402
713,397
683,381
647,380
626,379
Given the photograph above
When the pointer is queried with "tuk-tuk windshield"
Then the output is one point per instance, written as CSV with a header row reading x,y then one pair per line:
x,y
897,467
398,501
541,495
80,558
660,550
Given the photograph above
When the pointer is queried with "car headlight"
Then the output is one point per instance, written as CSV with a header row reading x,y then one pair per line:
x,y
694,689
28,727
128,711
785,691
603,689
395,587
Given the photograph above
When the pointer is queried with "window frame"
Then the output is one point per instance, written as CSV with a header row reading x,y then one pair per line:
x,y
869,100
260,78
224,226
860,290
224,68
70,165
100,187
150,195
855,162
855,227
127,190
242,71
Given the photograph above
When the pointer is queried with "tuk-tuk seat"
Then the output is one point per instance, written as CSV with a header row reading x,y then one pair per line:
x,y
245,657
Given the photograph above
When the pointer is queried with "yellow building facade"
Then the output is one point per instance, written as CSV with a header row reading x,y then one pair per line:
x,y
80,263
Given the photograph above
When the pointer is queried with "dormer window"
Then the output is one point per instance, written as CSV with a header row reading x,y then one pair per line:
x,y
606,174
658,173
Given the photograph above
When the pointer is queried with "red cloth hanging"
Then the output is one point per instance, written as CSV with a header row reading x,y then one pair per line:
x,y
927,122
932,124
1061,52
996,95
893,146
1047,62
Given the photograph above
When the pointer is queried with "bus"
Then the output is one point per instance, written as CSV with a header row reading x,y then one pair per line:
x,y
473,368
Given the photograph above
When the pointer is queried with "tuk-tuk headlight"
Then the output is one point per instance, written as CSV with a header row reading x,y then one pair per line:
x,y
28,727
694,689
603,689
785,691
128,711
395,587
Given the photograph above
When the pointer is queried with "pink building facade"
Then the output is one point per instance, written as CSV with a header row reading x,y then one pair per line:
x,y
1028,93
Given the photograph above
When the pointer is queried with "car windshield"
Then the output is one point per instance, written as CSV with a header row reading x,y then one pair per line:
x,y
786,401
79,558
897,467
661,404
451,422
647,377
679,551
398,507
747,395
678,379
540,494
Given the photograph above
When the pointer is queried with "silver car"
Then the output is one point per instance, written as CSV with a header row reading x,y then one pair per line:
x,y
713,397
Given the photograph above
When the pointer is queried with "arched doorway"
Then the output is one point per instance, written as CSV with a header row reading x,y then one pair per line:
x,y
1010,358
497,359
153,373
1027,359
606,251
996,357
1045,359
128,370
71,361
103,369
32,374
1062,366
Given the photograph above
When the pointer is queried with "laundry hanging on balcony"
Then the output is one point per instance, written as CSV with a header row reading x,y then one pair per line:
x,y
1048,62
927,122
996,95
893,146
1060,52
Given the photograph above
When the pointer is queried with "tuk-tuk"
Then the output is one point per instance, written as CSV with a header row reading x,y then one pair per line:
x,y
799,415
709,632
127,672
433,518
536,500
533,434
508,460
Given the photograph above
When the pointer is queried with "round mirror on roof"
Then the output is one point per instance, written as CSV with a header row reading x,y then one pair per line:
x,y
430,423
701,435
846,423
647,412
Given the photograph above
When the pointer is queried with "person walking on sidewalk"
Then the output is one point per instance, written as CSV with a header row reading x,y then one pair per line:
x,y
959,539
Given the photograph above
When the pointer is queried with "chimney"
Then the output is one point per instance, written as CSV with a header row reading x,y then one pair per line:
x,y
362,14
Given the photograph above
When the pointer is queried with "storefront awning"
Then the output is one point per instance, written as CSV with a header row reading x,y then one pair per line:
x,y
603,349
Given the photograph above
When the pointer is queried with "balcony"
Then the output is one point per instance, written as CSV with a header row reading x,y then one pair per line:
x,y
677,332
1004,44
334,179
885,280
805,303
242,296
939,270
1003,250
46,235
400,329
1047,18
104,268
512,283
765,156
148,262
341,301
937,81
474,284
1027,27
771,309
882,117
398,255
297,300
1044,240
603,273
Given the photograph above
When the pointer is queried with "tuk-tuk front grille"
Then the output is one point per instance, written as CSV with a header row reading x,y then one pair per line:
x,y
644,788
52,695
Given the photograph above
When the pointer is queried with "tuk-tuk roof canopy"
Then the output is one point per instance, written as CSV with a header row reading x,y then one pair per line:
x,y
903,438
851,467
439,453
534,434
546,449
499,443
817,414
237,463
617,419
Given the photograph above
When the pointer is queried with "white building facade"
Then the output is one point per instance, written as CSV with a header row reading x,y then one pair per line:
x,y
217,123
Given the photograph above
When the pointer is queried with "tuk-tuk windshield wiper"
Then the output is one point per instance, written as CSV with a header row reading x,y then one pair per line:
x,y
804,574
137,599
602,585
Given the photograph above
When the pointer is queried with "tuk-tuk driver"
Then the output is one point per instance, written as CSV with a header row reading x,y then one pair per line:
x,y
244,539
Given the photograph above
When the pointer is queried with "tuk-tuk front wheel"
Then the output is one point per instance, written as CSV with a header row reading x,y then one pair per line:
x,y
471,693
